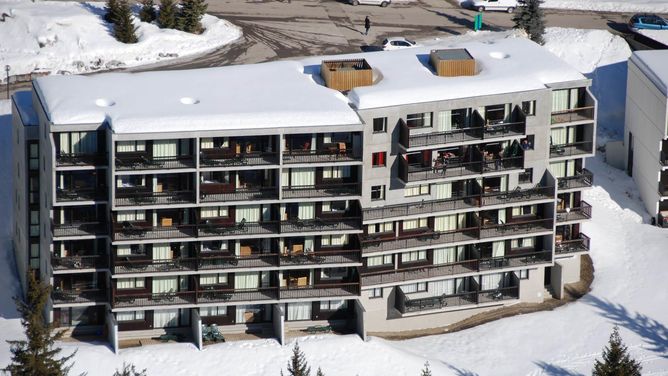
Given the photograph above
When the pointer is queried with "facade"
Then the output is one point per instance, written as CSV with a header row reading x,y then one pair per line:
x,y
305,206
646,130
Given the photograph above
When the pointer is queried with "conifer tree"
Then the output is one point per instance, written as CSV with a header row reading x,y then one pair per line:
x,y
426,371
319,373
531,19
147,12
112,11
37,355
190,15
124,29
130,370
297,365
167,14
616,360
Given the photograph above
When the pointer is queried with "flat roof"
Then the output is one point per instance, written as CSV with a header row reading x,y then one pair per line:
x,y
654,64
453,54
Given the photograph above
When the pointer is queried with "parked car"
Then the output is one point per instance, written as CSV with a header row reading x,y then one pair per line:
x,y
382,3
397,43
647,21
503,5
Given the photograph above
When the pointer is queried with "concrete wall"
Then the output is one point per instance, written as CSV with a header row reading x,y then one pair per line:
x,y
615,154
532,289
112,331
196,325
360,314
19,223
278,322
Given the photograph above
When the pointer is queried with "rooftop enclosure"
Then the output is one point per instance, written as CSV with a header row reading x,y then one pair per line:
x,y
344,75
453,62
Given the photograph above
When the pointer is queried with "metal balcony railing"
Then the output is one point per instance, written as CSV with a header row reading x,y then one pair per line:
x,y
570,149
139,198
79,229
571,115
323,190
581,179
238,194
78,296
81,159
574,214
136,161
580,244
225,158
406,305
319,156
320,290
78,262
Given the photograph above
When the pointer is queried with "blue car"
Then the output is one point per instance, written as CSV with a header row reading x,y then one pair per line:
x,y
647,22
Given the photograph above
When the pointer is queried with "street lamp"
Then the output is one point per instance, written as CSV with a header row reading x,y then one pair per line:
x,y
7,68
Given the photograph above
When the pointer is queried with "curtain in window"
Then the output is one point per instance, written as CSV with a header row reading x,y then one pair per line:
x,y
410,224
462,285
503,185
125,283
445,287
130,215
445,255
251,213
306,210
209,212
240,314
559,100
165,318
265,279
65,143
571,134
443,190
206,143
302,177
498,249
374,261
558,169
502,216
558,136
573,102
213,311
123,250
164,148
461,220
444,121
507,112
445,222
164,284
490,281
427,119
308,243
162,252
570,168
299,311
285,178
249,280
130,316
208,279
124,146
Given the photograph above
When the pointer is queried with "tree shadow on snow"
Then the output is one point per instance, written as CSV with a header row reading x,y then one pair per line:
x,y
461,372
554,370
99,12
654,333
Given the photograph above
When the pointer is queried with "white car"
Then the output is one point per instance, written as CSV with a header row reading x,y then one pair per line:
x,y
504,5
382,3
398,43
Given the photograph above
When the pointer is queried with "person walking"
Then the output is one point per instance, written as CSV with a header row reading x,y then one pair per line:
x,y
367,25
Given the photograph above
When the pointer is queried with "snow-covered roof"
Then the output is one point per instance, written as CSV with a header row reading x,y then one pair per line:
x,y
23,101
267,95
291,93
655,66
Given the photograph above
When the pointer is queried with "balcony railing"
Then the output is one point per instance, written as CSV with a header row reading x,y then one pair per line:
x,y
257,260
240,228
321,224
323,190
81,194
410,173
319,156
201,296
140,231
79,229
81,159
581,179
214,295
406,305
574,148
146,162
154,198
575,114
321,257
78,296
320,291
574,214
78,262
218,158
129,265
238,194
458,135
515,228
154,299
581,244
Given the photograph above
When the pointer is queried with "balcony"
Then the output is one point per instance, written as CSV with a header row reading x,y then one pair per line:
x,y
140,198
456,168
212,228
214,295
516,228
128,161
581,244
157,299
81,194
320,156
321,225
579,213
230,158
81,159
131,265
78,262
581,179
344,256
142,231
571,149
320,291
79,229
424,239
218,192
407,305
203,296
573,115
78,296
323,190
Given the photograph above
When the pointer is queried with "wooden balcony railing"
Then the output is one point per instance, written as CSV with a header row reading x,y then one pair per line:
x,y
581,244
581,179
323,190
575,114
570,149
574,214
139,198
321,291
406,305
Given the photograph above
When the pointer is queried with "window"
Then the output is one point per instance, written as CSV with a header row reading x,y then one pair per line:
x,y
413,256
334,206
130,316
336,172
34,223
130,215
334,240
416,190
379,261
522,243
333,273
378,192
213,279
378,159
414,287
413,224
213,311
130,283
130,146
522,274
33,159
376,293
214,211
526,176
380,125
333,305
419,120
380,227
525,210
529,108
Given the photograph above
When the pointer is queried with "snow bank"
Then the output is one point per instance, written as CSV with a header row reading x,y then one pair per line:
x,y
622,6
660,36
70,37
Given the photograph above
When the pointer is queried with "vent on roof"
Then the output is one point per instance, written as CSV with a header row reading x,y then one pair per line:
x,y
452,63
343,75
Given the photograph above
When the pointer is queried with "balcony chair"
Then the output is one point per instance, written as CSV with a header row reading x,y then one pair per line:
x,y
169,296
129,229
131,266
496,295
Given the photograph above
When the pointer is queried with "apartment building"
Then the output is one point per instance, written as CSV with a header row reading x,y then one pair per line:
x,y
385,192
646,130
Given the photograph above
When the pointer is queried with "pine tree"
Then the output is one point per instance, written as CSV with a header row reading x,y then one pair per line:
x,y
426,371
319,373
190,15
167,14
531,19
37,356
130,370
297,365
147,12
112,11
124,29
616,360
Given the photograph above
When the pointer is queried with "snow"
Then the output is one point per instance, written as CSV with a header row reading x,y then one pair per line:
x,y
660,36
70,37
622,6
268,95
655,65
628,289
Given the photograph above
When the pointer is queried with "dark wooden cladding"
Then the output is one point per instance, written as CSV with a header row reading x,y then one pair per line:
x,y
344,75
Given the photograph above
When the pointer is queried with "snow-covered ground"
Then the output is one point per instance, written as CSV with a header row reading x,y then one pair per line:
x,y
624,6
72,37
628,290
